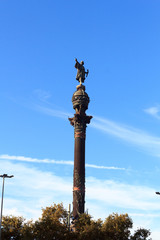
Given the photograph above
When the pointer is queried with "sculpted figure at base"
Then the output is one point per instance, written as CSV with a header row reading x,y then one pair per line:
x,y
80,71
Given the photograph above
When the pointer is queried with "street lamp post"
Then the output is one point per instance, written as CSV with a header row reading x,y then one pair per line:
x,y
3,176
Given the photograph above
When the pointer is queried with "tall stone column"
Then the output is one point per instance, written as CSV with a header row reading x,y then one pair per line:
x,y
80,120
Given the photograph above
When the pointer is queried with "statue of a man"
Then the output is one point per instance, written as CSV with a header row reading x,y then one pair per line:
x,y
80,71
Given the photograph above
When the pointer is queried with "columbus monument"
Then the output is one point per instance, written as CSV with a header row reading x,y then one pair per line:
x,y
80,101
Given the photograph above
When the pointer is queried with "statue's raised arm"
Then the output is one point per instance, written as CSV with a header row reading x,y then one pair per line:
x,y
81,74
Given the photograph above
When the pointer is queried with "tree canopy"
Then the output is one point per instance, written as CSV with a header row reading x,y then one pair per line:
x,y
53,225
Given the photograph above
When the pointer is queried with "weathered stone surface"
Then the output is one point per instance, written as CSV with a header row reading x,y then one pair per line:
x,y
80,120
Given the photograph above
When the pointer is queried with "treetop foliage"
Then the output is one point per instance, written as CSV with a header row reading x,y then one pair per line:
x,y
53,225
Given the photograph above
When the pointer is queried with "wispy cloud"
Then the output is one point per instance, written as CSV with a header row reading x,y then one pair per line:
x,y
39,186
129,134
122,195
104,167
41,103
32,189
154,111
51,161
42,95
52,112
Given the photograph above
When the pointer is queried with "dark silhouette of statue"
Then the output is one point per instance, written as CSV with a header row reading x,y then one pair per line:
x,y
80,71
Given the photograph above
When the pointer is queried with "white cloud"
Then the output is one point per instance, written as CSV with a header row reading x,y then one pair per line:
x,y
122,195
131,135
31,189
42,95
153,111
31,185
51,161
41,104
104,167
52,112
105,197
34,160
155,235
146,215
137,137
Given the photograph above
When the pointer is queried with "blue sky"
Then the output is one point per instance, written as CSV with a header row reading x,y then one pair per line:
x,y
119,43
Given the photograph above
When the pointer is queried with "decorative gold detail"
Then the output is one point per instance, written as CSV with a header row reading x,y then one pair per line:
x,y
79,189
79,135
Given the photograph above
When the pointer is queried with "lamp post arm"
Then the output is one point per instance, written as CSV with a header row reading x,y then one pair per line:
x,y
158,193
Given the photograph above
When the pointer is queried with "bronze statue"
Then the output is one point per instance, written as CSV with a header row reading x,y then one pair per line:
x,y
80,71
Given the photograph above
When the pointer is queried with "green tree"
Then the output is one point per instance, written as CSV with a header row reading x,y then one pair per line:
x,y
117,227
